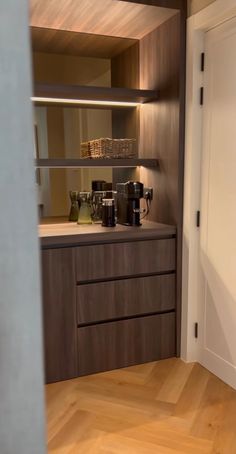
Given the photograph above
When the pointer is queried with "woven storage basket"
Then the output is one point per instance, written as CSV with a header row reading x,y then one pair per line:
x,y
109,148
84,150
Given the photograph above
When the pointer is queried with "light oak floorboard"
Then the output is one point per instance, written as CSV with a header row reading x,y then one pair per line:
x,y
165,407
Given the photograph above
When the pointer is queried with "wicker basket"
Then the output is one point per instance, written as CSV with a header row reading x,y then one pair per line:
x,y
109,148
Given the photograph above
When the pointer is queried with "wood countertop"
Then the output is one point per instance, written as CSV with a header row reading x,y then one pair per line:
x,y
59,233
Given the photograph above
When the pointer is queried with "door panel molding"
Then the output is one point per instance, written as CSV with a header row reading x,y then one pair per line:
x,y
193,291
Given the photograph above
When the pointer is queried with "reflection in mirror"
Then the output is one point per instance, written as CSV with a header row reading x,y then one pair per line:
x,y
53,192
60,131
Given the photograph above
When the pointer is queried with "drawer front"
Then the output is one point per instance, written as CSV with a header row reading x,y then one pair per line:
x,y
125,298
124,259
125,343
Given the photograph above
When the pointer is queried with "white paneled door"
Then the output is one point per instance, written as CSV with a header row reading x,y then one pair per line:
x,y
218,210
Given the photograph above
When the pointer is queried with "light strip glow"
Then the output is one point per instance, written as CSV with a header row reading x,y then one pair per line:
x,y
84,101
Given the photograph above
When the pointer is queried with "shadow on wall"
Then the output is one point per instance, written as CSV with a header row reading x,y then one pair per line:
x,y
207,298
194,6
220,314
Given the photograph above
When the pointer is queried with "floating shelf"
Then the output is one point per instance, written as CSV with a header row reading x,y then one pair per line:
x,y
87,95
76,163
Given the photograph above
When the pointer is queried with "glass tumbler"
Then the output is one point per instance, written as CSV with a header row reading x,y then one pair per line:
x,y
74,209
85,208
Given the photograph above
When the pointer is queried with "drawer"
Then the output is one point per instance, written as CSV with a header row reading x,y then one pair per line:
x,y
124,259
125,298
120,344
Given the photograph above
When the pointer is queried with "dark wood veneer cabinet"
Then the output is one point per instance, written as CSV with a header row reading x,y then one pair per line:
x,y
119,303
59,314
123,259
108,306
125,298
119,344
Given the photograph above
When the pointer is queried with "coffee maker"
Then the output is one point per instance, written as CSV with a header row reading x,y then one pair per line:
x,y
128,203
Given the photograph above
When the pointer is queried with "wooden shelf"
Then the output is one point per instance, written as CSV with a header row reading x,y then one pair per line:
x,y
75,163
88,93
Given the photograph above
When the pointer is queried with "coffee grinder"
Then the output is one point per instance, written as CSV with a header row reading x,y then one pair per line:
x,y
128,203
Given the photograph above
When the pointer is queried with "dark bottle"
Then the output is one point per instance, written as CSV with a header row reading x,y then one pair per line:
x,y
108,213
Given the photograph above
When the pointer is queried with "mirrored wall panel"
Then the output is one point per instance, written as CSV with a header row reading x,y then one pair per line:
x,y
59,131
55,185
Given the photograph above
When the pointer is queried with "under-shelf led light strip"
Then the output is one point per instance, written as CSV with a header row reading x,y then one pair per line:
x,y
84,102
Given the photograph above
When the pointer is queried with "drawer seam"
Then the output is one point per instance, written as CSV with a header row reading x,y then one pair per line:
x,y
130,317
126,277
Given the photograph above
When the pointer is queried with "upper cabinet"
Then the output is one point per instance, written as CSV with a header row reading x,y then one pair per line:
x,y
130,52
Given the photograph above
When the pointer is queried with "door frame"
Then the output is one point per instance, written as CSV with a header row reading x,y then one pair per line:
x,y
192,280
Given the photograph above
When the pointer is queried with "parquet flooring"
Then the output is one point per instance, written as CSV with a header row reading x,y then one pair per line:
x,y
166,407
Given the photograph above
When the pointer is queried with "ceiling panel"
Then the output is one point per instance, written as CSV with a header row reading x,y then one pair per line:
x,y
78,44
101,17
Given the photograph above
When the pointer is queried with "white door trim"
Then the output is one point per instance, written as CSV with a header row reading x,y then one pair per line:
x,y
215,14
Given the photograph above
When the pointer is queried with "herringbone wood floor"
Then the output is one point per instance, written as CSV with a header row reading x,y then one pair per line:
x,y
167,407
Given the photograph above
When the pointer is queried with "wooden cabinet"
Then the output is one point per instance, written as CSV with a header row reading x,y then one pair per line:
x,y
125,259
59,314
111,289
107,306
124,343
125,298
95,285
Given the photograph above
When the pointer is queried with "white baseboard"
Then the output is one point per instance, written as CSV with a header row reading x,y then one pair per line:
x,y
219,367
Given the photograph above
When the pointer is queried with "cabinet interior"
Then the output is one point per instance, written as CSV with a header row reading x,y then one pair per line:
x,y
135,46
114,45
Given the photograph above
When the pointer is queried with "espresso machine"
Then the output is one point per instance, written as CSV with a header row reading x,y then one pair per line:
x,y
128,203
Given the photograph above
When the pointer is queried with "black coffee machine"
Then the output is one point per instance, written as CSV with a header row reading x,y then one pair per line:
x,y
128,202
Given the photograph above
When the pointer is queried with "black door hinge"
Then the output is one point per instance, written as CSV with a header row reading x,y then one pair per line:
x,y
201,96
202,61
198,218
196,330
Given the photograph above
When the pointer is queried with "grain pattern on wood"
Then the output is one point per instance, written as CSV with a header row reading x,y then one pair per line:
x,y
160,130
89,92
122,411
58,232
109,17
78,44
162,127
59,314
75,163
175,4
125,68
125,73
159,122
125,298
118,344
124,259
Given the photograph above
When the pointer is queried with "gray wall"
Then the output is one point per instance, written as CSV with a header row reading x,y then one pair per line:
x,y
196,5
21,371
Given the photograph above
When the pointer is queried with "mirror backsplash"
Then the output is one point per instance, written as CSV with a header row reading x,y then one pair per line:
x,y
58,134
60,131
55,185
